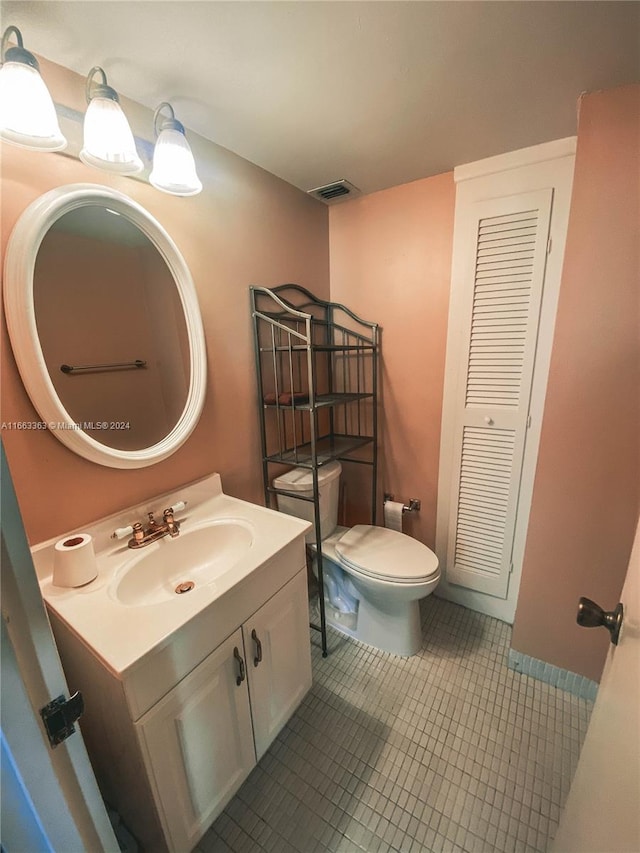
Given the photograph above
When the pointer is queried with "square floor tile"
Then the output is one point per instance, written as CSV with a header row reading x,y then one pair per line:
x,y
446,751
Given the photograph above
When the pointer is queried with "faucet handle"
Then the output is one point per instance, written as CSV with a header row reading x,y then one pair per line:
x,y
177,507
172,526
122,532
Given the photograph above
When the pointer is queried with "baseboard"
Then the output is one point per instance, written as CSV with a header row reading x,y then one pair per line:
x,y
578,685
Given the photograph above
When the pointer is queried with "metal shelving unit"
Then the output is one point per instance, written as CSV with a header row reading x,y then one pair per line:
x,y
317,372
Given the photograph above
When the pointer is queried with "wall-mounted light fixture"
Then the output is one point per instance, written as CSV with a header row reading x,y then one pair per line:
x,y
27,114
28,119
174,169
108,140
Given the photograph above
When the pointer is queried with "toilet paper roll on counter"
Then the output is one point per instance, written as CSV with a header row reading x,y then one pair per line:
x,y
74,561
393,515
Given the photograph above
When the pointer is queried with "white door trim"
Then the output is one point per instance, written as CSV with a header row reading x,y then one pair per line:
x,y
478,182
516,159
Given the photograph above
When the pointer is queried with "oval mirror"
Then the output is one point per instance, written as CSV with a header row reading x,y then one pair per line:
x,y
105,326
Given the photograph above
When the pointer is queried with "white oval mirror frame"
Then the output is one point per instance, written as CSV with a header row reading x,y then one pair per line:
x,y
20,260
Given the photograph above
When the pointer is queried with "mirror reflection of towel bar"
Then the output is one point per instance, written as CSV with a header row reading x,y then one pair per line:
x,y
122,365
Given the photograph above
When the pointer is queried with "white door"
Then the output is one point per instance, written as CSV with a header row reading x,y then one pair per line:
x,y
507,241
602,813
199,743
47,794
276,639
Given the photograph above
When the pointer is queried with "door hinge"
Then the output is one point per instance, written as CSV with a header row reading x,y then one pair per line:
x,y
528,421
60,715
511,567
549,245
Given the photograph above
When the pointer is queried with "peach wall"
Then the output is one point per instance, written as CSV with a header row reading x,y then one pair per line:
x,y
390,259
389,256
246,227
586,493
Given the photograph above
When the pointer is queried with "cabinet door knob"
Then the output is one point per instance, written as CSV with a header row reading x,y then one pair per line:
x,y
591,615
241,676
258,656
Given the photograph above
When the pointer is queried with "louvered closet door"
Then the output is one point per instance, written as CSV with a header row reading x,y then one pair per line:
x,y
507,241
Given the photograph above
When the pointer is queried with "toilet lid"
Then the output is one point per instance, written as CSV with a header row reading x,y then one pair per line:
x,y
386,554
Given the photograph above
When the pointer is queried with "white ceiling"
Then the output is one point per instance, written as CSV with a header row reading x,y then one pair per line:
x,y
379,93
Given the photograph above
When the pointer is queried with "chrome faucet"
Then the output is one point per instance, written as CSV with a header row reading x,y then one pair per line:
x,y
154,530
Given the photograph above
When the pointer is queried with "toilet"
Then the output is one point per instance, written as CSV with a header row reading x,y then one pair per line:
x,y
374,578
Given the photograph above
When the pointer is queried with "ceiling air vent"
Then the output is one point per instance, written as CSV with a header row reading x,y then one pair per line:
x,y
335,192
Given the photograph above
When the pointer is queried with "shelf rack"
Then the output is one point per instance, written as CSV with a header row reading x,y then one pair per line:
x,y
317,378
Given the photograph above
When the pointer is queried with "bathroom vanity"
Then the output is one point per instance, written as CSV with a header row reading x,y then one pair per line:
x,y
185,692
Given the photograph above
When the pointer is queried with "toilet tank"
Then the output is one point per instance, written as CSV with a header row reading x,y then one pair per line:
x,y
300,481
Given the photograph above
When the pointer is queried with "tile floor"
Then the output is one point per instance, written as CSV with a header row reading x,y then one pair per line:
x,y
446,751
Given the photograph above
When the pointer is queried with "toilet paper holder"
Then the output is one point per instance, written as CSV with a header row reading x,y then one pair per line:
x,y
413,505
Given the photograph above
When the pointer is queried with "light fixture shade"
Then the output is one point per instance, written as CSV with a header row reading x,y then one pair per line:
x,y
27,114
174,169
108,140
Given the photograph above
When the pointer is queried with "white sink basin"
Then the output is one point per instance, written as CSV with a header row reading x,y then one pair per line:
x,y
174,568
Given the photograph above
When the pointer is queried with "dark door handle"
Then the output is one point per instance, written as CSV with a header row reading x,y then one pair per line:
x,y
258,657
241,675
591,615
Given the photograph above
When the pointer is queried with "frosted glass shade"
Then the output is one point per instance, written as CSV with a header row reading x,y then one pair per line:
x,y
27,114
174,169
108,141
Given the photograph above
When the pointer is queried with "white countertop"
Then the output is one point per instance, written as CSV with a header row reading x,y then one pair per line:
x,y
120,635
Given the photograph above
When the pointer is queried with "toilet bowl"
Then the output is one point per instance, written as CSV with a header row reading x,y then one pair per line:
x,y
373,577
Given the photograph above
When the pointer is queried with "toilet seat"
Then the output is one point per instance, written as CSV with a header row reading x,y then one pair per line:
x,y
387,555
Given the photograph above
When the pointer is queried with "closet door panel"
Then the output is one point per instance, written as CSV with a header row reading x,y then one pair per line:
x,y
507,242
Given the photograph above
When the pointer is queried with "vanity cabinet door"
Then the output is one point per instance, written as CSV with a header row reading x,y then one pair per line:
x,y
198,744
276,639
